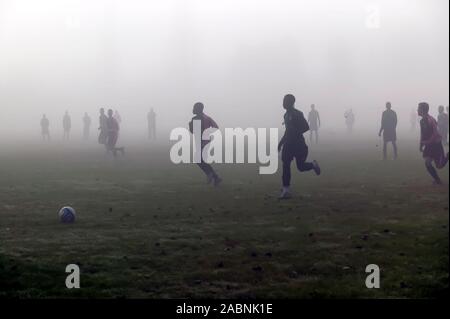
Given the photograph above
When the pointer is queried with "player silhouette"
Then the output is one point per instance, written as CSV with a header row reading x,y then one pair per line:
x,y
67,125
292,144
45,125
442,122
102,127
86,126
389,129
431,143
113,128
349,120
314,123
413,120
206,122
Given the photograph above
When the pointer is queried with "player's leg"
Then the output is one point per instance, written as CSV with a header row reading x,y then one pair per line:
x,y
317,136
384,150
394,145
286,158
432,171
211,175
301,155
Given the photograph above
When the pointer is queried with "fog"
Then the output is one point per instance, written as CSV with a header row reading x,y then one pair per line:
x,y
239,57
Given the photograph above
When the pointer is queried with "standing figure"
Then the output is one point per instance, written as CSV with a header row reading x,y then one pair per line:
x,y
205,123
431,143
314,123
86,126
151,121
67,125
117,117
389,129
45,125
113,135
442,122
349,120
292,144
103,134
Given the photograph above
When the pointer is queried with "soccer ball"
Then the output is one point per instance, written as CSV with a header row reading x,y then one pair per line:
x,y
67,215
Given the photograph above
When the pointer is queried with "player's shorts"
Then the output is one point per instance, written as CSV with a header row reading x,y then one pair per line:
x,y
435,151
297,151
112,139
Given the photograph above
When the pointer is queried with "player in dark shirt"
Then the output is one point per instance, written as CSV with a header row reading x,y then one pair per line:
x,y
206,123
431,143
442,122
292,144
389,129
113,128
102,120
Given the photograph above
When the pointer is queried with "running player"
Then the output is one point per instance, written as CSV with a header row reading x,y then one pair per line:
x,y
206,123
431,143
292,144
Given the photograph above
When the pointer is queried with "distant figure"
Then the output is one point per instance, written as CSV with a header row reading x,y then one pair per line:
x,y
45,125
206,122
389,129
86,126
314,123
431,143
113,128
349,120
102,120
151,120
293,145
442,122
117,117
413,120
67,125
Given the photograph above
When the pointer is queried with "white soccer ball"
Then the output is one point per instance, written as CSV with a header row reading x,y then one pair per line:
x,y
67,215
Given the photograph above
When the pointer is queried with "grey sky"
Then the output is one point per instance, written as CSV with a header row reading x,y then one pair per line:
x,y
238,57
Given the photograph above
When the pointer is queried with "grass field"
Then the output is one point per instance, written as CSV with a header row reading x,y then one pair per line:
x,y
149,229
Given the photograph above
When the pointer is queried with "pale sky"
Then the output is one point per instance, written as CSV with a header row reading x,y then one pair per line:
x,y
239,57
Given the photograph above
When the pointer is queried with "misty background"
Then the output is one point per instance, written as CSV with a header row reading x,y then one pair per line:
x,y
239,57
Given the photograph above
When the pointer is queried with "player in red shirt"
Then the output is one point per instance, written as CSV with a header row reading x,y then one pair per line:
x,y
206,122
431,143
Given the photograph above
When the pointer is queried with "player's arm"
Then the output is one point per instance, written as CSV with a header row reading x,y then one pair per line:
x,y
282,141
382,125
214,124
302,123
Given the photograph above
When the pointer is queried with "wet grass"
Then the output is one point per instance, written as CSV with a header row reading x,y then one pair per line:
x,y
149,229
